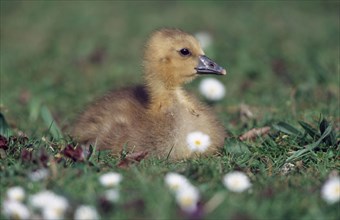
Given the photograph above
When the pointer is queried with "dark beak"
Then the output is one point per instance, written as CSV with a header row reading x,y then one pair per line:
x,y
207,66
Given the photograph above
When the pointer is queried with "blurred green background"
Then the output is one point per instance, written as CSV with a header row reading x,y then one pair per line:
x,y
282,57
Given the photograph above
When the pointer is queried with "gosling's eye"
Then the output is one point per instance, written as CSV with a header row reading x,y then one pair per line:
x,y
185,52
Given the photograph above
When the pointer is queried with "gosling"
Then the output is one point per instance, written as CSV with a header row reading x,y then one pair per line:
x,y
156,117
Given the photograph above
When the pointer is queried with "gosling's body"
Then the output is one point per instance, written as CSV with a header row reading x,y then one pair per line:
x,y
157,116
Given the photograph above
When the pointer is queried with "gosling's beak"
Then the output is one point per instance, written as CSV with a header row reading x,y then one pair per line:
x,y
207,66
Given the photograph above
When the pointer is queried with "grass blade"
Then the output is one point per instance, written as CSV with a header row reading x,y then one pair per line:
x,y
310,130
34,108
50,123
331,139
4,128
287,129
310,147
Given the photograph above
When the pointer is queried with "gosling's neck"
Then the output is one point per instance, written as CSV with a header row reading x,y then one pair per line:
x,y
164,96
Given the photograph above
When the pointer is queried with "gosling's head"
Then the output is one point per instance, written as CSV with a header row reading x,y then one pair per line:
x,y
173,57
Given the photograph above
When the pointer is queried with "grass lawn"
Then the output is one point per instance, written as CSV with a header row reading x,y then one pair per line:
x,y
283,64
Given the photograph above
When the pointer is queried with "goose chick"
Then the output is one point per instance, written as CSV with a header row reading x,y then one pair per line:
x,y
157,116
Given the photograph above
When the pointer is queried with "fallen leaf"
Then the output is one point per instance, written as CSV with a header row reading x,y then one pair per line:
x,y
21,139
43,157
129,159
75,153
26,155
254,133
3,142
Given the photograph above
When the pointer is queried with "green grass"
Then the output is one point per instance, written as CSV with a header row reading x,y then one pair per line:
x,y
283,62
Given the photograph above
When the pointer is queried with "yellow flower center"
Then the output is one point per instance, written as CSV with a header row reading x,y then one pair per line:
x,y
236,183
174,186
187,201
337,190
212,90
198,143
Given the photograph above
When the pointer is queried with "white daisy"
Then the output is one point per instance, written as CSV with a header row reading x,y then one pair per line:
x,y
39,199
112,195
204,38
51,214
236,181
330,191
13,209
53,206
198,141
85,212
16,193
176,181
111,179
187,198
38,175
212,89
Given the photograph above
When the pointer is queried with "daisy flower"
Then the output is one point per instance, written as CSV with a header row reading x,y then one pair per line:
x,y
204,38
38,175
16,193
212,89
52,205
236,181
15,210
111,179
112,195
39,199
85,212
198,141
175,181
51,214
330,191
187,198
